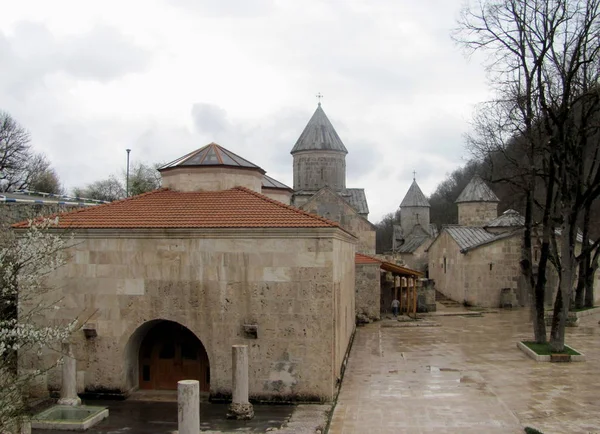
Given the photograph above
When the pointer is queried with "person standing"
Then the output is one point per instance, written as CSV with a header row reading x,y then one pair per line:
x,y
395,307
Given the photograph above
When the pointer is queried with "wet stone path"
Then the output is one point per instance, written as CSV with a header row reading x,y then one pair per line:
x,y
466,376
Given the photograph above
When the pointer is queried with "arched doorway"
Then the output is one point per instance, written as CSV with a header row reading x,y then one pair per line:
x,y
169,353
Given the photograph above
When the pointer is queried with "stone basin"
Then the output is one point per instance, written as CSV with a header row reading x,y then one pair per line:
x,y
68,418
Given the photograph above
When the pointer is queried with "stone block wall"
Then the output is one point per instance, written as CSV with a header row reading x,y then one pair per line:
x,y
282,196
13,212
214,284
314,170
326,203
476,213
211,178
368,290
410,216
477,276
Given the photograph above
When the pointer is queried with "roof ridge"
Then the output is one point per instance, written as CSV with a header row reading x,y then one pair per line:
x,y
283,205
25,223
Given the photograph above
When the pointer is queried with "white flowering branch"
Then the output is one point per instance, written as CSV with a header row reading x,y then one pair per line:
x,y
26,260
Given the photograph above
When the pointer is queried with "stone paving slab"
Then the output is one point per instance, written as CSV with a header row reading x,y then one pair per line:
x,y
466,376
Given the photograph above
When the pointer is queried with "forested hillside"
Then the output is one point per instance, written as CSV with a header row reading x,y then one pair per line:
x,y
444,210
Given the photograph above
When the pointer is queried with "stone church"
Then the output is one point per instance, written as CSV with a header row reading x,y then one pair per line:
x,y
320,181
164,283
414,235
477,261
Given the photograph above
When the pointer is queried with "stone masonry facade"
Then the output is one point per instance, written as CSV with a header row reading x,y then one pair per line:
x,y
298,290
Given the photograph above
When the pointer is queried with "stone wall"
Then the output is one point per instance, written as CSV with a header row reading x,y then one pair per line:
x,y
410,216
282,196
477,276
314,170
417,260
368,290
326,203
476,213
297,286
13,212
343,302
211,178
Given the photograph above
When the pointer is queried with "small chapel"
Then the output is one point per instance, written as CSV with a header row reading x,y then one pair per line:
x,y
164,283
476,262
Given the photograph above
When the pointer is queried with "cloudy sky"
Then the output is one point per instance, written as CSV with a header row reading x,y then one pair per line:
x,y
164,77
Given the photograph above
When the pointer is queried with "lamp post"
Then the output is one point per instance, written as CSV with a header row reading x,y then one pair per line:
x,y
127,177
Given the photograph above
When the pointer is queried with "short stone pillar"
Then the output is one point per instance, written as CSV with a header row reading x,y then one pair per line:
x,y
240,407
188,406
68,391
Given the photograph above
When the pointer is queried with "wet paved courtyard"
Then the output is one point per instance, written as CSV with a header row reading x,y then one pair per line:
x,y
147,417
466,376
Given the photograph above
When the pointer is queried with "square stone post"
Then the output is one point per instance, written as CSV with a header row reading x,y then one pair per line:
x,y
240,407
68,390
188,406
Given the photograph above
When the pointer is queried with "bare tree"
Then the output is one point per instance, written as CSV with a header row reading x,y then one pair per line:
x,y
15,150
21,167
543,63
143,178
110,189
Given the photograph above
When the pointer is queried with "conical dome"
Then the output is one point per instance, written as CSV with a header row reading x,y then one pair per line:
x,y
414,197
319,135
477,191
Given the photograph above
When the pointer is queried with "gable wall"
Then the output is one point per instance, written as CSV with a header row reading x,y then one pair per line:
x,y
417,260
329,205
468,276
450,281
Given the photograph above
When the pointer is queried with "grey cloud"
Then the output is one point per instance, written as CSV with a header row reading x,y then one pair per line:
x,y
229,8
362,159
33,54
210,119
102,54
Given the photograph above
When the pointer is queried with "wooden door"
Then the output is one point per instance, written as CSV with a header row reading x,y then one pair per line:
x,y
171,353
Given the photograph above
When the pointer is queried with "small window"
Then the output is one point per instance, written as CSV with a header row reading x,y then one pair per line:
x,y
444,265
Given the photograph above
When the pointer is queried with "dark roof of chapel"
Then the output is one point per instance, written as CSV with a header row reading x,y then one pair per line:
x,y
356,198
211,155
477,191
268,182
414,197
319,135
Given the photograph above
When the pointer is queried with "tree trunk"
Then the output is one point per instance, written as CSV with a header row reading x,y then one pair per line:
x,y
581,281
556,314
585,261
539,326
589,284
567,258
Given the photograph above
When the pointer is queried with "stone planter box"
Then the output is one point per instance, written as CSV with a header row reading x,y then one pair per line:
x,y
574,318
551,358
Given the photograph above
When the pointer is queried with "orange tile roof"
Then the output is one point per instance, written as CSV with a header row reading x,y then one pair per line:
x,y
364,259
238,207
